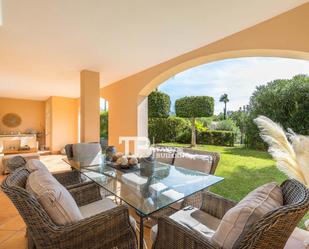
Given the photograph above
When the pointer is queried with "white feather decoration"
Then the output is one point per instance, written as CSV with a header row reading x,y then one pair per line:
x,y
280,148
292,158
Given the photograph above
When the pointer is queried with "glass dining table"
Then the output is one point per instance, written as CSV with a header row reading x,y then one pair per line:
x,y
147,187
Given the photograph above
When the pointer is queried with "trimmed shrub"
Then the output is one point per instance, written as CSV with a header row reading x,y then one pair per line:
x,y
224,138
159,105
167,129
194,107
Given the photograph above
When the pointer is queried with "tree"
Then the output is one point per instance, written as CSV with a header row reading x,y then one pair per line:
x,y
240,119
194,107
159,105
285,102
224,98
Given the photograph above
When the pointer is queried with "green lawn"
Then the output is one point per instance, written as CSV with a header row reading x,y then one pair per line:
x,y
243,170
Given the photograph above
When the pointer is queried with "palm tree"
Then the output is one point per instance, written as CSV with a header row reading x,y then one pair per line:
x,y
224,98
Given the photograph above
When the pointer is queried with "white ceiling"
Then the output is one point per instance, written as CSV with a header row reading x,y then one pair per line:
x,y
45,43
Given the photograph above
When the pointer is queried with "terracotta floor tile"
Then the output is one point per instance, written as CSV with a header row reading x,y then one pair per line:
x,y
15,223
4,235
17,241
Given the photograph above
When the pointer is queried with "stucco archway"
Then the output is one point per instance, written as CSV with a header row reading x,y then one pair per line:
x,y
159,79
142,114
286,35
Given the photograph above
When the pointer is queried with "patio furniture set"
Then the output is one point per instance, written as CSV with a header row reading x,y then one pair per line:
x,y
70,210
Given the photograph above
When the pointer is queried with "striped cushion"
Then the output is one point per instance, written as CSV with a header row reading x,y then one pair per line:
x,y
35,164
54,198
240,218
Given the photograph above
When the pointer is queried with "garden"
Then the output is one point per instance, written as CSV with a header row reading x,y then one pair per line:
x,y
245,163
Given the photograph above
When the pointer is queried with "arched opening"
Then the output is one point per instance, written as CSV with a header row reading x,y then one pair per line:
x,y
142,115
235,79
159,79
239,165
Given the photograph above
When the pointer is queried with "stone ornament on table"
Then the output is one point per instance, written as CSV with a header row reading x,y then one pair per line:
x,y
133,161
122,161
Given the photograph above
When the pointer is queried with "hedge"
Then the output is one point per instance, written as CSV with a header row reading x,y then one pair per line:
x,y
175,129
224,138
167,129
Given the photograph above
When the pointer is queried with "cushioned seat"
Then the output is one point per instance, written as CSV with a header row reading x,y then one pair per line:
x,y
35,164
202,163
195,219
6,160
43,230
297,239
87,153
240,218
99,207
54,197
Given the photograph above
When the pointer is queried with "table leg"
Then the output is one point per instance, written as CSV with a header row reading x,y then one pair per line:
x,y
141,231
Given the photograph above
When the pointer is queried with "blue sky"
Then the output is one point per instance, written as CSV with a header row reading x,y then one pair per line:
x,y
236,77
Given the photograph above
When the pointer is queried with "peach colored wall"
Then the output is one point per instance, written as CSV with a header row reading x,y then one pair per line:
x,y
32,113
89,106
63,122
286,35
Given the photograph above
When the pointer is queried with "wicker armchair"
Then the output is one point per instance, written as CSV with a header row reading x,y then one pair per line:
x,y
15,162
194,200
109,229
69,179
270,232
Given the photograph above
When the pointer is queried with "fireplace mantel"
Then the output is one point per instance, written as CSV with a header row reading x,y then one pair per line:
x,y
25,139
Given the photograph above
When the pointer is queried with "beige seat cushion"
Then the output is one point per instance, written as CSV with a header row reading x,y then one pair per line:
x,y
96,207
99,207
241,217
200,163
87,153
298,240
55,199
35,164
193,219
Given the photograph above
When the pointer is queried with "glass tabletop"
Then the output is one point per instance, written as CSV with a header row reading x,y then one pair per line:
x,y
149,187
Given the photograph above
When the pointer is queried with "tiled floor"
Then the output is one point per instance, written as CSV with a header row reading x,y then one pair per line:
x,y
12,227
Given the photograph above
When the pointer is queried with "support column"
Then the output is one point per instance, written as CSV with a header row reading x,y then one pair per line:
x,y
142,116
89,106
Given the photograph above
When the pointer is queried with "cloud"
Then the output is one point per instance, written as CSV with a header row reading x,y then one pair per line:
x,y
236,77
